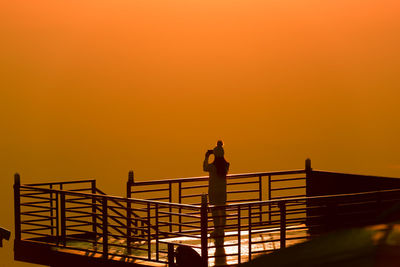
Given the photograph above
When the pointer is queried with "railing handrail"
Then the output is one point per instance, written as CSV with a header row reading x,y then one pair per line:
x,y
204,178
355,174
67,182
131,200
295,199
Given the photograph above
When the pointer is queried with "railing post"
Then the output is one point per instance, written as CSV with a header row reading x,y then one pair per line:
x,y
249,207
170,208
180,209
239,235
17,206
57,218
105,227
171,255
260,196
94,219
129,184
51,211
157,232
129,211
63,219
204,229
149,231
308,165
269,198
308,170
282,207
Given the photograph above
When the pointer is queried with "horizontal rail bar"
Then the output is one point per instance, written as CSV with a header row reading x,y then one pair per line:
x,y
205,178
37,206
78,190
288,188
38,202
243,191
287,179
37,193
38,215
247,182
195,186
77,225
37,224
36,220
34,233
36,197
39,229
131,200
34,211
67,182
149,190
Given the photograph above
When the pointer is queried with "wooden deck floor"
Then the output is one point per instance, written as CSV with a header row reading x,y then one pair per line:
x,y
263,245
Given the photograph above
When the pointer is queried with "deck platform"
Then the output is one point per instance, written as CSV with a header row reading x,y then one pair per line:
x,y
74,223
73,252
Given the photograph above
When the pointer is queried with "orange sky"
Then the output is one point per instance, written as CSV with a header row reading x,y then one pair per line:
x,y
96,88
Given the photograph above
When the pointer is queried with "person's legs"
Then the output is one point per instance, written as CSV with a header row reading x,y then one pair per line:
x,y
223,217
215,217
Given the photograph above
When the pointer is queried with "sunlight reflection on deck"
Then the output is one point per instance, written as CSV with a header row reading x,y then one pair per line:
x,y
262,243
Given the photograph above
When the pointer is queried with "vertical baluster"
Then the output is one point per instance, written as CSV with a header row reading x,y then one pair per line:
x,y
17,207
249,207
94,218
128,226
148,231
204,229
51,212
156,225
57,218
105,227
282,207
129,212
170,207
239,235
260,196
63,219
269,197
180,209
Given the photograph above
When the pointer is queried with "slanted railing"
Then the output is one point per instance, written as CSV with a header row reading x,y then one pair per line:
x,y
77,216
134,229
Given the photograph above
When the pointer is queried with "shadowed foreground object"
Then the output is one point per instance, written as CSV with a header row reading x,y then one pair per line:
x,y
377,245
186,256
4,234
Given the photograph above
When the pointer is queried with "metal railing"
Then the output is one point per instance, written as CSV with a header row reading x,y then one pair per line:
x,y
240,187
99,223
78,216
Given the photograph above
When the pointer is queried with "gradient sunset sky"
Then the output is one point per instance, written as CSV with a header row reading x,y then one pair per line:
x,y
92,89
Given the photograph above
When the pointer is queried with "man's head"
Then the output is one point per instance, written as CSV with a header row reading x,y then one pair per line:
x,y
219,150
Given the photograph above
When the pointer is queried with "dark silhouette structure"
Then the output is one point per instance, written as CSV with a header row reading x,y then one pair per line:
x,y
217,193
75,223
4,234
187,257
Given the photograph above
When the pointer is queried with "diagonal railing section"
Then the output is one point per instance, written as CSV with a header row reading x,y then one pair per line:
x,y
99,224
